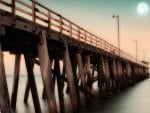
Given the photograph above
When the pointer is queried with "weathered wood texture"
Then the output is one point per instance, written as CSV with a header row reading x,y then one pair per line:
x,y
26,95
16,81
76,77
32,84
59,84
70,78
4,95
45,65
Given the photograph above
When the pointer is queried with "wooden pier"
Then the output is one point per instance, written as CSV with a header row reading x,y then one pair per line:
x,y
46,38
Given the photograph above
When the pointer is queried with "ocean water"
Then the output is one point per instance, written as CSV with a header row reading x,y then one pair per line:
x,y
135,99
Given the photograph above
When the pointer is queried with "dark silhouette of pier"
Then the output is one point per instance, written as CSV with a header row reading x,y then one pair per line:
x,y
66,54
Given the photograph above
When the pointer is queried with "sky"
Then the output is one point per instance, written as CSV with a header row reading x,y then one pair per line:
x,y
96,17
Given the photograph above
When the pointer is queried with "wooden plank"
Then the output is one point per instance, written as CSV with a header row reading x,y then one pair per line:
x,y
70,78
16,81
32,84
59,85
26,95
4,95
45,66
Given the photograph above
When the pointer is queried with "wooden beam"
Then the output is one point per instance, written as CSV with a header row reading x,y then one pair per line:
x,y
32,84
76,77
100,75
83,72
26,95
2,30
89,76
87,72
59,85
4,95
16,81
45,66
70,78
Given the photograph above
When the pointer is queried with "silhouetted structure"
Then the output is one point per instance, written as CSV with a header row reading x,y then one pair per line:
x,y
46,38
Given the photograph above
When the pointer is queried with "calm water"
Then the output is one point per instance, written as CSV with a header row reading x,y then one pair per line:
x,y
133,100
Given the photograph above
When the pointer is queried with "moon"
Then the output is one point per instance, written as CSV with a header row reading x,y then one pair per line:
x,y
143,8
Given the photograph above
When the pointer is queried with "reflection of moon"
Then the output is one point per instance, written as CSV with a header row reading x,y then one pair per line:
x,y
143,8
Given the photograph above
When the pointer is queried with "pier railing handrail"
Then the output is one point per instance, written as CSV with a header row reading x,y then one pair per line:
x,y
44,16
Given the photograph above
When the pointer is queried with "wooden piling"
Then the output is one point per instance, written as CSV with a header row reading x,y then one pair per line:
x,y
45,66
16,81
100,75
4,95
70,78
26,95
59,85
32,84
82,76
88,74
76,77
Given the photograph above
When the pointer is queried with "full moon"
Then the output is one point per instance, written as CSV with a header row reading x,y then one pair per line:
x,y
143,8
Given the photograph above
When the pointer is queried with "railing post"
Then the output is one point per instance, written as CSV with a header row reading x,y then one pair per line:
x,y
96,41
85,35
61,23
79,33
33,12
13,7
49,19
70,29
91,38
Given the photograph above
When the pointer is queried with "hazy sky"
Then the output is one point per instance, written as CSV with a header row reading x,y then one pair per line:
x,y
96,17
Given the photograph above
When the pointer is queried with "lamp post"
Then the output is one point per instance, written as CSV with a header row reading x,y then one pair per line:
x,y
118,30
136,48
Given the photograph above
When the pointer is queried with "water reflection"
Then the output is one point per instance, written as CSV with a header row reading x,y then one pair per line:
x,y
135,99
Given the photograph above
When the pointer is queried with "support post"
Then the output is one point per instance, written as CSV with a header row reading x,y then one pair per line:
x,y
70,78
59,85
16,81
83,77
26,95
32,84
100,74
76,77
107,74
45,66
87,73
81,71
4,95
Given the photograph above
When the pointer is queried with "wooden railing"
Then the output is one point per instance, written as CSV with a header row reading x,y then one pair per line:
x,y
42,15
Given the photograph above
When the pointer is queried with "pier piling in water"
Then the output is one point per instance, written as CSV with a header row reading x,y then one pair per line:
x,y
85,59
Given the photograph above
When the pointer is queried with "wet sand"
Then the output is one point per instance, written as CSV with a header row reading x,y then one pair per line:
x,y
135,99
